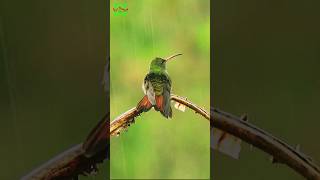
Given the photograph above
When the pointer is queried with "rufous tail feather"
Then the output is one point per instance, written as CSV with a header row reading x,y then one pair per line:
x,y
159,103
161,106
144,105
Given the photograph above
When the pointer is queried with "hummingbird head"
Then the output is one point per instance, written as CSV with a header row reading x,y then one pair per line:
x,y
159,64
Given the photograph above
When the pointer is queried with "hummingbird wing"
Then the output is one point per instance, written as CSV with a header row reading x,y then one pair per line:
x,y
163,100
149,91
167,111
149,99
157,88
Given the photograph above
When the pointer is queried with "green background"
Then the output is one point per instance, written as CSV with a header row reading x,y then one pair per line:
x,y
155,147
266,64
52,60
51,66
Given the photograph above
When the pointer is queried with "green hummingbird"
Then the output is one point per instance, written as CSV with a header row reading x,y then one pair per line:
x,y
157,88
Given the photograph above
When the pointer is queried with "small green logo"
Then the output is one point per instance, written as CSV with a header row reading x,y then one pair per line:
x,y
120,9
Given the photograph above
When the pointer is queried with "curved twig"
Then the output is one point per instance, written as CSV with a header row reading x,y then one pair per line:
x,y
280,151
123,121
82,159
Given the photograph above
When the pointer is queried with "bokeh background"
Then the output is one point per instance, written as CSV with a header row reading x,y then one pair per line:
x,y
266,64
52,57
155,147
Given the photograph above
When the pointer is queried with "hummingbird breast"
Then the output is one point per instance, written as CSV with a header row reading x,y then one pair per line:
x,y
156,84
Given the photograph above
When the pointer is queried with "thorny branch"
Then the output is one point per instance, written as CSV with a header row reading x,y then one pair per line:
x,y
123,121
279,150
82,159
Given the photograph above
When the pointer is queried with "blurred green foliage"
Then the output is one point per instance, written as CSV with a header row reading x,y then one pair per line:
x,y
52,57
155,147
266,64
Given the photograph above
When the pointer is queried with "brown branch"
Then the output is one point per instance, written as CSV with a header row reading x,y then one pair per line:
x,y
123,121
280,151
82,159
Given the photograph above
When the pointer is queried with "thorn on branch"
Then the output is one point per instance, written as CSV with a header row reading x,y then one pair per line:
x,y
83,158
298,147
244,117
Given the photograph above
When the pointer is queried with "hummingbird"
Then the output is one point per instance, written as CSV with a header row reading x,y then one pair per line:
x,y
157,88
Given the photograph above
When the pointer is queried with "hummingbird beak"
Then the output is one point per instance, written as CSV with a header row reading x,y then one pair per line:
x,y
170,57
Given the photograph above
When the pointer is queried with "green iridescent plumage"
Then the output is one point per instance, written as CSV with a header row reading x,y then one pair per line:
x,y
157,88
